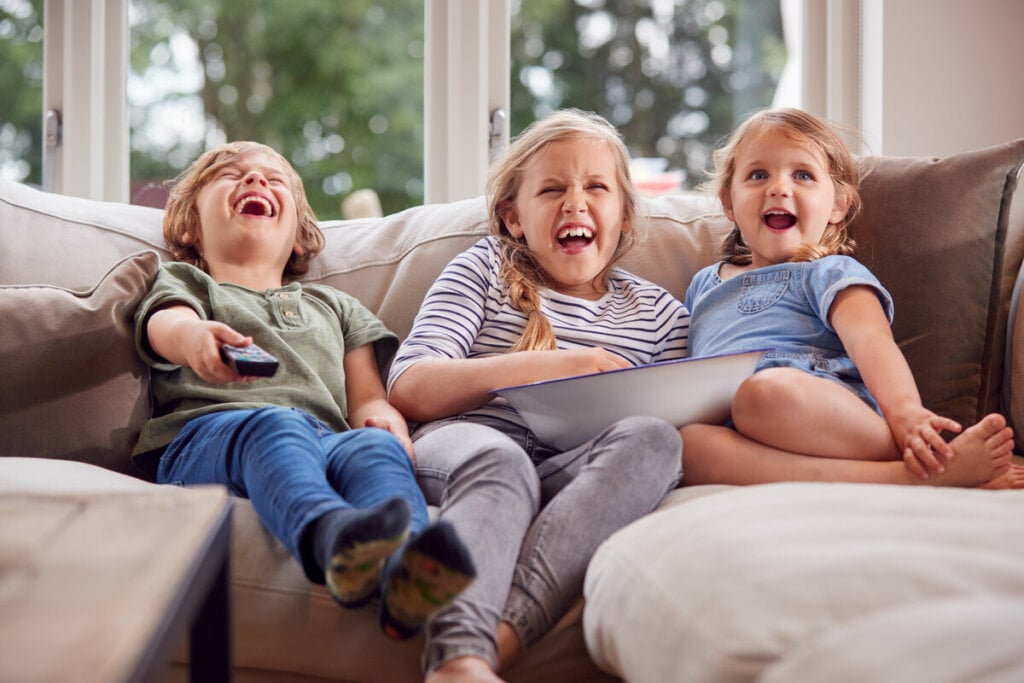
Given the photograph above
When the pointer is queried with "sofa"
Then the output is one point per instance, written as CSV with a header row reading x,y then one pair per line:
x,y
780,582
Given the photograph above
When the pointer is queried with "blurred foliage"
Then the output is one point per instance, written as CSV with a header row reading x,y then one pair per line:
x,y
337,87
675,76
21,82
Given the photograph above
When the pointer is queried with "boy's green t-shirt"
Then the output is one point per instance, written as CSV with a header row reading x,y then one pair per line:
x,y
308,328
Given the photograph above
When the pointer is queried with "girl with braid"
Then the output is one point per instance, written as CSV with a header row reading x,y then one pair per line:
x,y
538,299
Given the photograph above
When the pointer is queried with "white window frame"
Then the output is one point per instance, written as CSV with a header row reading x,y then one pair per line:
x,y
466,79
85,76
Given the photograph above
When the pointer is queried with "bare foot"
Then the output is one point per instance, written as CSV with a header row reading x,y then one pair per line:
x,y
463,670
983,453
1013,478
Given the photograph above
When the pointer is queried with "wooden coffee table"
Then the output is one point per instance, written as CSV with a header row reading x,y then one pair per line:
x,y
103,587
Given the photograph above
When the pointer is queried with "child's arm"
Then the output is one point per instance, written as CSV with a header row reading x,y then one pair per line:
x,y
367,400
859,320
178,334
440,387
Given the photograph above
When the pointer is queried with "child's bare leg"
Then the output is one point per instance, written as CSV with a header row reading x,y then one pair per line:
x,y
796,412
719,455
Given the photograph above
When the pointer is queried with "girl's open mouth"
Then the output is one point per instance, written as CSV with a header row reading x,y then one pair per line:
x,y
576,237
779,220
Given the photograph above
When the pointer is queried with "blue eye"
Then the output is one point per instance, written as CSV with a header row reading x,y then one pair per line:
x,y
758,175
803,175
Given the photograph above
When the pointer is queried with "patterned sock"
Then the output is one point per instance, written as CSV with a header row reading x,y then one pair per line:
x,y
352,545
433,569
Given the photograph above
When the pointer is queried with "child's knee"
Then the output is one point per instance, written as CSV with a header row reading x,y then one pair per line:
x,y
648,440
764,391
503,467
650,434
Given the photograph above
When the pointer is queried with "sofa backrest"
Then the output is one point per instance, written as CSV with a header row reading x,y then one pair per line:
x,y
946,236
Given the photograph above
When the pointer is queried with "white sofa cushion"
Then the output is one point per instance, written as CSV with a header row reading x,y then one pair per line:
x,y
724,586
945,641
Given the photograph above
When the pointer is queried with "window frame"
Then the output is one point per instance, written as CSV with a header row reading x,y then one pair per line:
x,y
85,78
466,79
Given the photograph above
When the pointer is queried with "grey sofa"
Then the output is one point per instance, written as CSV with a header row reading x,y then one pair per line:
x,y
722,584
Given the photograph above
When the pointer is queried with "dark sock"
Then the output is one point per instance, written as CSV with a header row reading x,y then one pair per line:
x,y
434,567
351,546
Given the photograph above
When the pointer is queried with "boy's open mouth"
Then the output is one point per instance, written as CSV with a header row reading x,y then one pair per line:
x,y
779,220
575,237
254,205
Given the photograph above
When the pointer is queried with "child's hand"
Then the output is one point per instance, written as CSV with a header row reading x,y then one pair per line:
x,y
178,334
924,449
573,362
400,430
201,341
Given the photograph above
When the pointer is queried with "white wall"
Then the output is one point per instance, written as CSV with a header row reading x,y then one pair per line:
x,y
953,78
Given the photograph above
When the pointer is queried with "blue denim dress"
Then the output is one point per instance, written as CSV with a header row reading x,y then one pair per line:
x,y
783,308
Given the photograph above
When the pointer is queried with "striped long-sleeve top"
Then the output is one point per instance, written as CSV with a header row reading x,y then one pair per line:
x,y
467,314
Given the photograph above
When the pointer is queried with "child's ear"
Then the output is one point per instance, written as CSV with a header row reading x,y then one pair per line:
x,y
841,206
297,249
726,199
510,217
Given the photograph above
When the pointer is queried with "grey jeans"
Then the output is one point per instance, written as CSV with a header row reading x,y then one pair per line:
x,y
532,517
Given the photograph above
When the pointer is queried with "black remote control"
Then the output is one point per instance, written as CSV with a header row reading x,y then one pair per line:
x,y
249,361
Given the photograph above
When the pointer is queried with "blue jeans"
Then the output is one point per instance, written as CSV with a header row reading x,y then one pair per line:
x,y
294,469
532,517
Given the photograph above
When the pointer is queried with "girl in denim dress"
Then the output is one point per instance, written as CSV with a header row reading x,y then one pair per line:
x,y
834,398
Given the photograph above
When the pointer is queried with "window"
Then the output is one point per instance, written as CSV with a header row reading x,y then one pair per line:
x,y
675,76
21,82
337,87
391,95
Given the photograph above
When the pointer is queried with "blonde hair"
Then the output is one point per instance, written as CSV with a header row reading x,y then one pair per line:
x,y
181,217
520,272
842,167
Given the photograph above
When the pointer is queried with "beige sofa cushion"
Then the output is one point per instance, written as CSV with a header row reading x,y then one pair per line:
x,y
942,236
722,587
67,241
73,386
